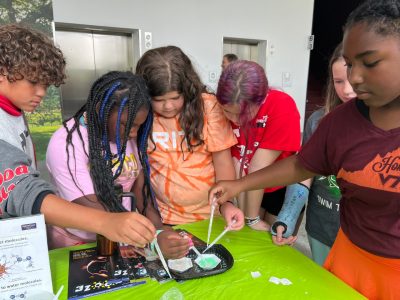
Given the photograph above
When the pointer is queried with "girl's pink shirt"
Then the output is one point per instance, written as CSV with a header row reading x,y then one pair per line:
x,y
56,160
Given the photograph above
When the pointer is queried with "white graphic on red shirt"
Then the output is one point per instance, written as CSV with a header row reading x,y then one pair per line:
x,y
7,176
262,122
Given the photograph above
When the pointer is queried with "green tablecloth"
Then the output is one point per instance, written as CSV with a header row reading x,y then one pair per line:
x,y
252,251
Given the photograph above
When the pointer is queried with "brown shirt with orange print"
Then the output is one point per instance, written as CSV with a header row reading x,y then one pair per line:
x,y
366,160
181,179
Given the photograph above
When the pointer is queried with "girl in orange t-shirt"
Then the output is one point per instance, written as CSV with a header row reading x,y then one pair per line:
x,y
191,140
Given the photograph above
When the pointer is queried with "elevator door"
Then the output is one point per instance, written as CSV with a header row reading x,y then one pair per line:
x,y
242,50
89,55
247,49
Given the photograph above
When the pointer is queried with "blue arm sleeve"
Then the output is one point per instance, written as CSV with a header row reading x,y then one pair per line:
x,y
295,198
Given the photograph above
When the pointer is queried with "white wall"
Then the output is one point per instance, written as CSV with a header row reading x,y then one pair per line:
x,y
198,27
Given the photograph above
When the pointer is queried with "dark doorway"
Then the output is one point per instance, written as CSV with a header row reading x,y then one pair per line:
x,y
329,18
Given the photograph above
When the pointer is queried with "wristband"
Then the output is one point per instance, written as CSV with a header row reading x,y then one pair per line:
x,y
252,221
158,231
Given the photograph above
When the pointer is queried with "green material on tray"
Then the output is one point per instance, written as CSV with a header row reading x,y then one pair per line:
x,y
207,261
253,251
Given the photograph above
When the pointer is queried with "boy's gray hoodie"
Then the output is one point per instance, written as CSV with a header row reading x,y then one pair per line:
x,y
20,186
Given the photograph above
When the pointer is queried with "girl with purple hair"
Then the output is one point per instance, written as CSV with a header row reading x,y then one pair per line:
x,y
266,123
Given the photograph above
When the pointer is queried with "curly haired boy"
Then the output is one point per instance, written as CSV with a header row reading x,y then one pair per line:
x,y
29,63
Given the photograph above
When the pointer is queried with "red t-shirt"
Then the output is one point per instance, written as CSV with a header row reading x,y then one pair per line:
x,y
275,127
366,161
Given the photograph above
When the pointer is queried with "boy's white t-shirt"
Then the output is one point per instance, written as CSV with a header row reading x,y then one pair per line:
x,y
56,160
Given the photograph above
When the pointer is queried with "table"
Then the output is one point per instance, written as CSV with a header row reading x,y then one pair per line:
x,y
252,251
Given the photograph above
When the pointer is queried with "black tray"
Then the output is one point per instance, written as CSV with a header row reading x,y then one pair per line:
x,y
197,272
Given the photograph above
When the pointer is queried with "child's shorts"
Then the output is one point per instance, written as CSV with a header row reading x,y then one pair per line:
x,y
272,202
373,276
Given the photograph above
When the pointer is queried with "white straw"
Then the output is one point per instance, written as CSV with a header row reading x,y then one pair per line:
x,y
220,236
211,220
195,250
164,263
58,293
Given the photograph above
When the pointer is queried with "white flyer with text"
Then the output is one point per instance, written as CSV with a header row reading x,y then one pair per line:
x,y
24,258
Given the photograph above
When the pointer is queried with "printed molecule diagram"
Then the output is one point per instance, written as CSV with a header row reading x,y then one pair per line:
x,y
13,264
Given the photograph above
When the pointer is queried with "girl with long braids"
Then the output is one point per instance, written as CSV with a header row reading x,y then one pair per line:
x,y
191,136
103,146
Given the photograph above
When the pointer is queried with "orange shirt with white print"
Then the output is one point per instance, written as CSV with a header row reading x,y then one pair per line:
x,y
181,179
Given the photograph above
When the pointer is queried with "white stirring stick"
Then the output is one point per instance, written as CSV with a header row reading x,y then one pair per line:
x,y
220,236
58,293
195,250
213,204
164,263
